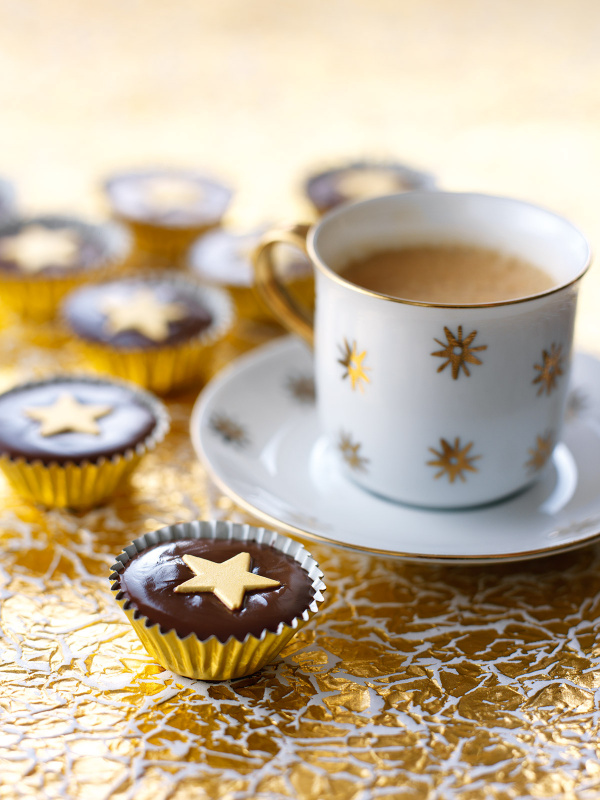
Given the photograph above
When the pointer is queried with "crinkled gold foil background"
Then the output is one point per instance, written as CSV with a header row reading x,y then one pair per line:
x,y
414,681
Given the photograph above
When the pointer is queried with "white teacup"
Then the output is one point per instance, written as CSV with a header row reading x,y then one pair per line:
x,y
405,427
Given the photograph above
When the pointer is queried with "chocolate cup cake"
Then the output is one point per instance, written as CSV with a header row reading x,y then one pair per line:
x,y
69,441
43,258
361,179
200,613
157,330
167,209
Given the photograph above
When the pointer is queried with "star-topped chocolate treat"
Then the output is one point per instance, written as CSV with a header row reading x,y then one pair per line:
x,y
360,180
216,600
44,258
51,245
65,441
166,210
170,197
138,312
155,330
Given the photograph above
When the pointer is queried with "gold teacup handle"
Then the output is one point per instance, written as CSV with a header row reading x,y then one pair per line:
x,y
270,287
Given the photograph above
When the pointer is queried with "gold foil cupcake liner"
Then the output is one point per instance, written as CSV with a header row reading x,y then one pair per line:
x,y
81,484
210,659
158,242
37,296
162,246
167,368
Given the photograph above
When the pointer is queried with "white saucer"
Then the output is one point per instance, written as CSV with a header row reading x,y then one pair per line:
x,y
255,429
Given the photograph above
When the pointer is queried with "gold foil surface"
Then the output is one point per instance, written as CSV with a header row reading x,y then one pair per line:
x,y
412,681
456,680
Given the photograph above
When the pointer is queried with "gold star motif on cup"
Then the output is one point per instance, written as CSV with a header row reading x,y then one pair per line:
x,y
458,351
550,369
352,361
228,581
142,312
453,460
539,455
351,453
36,247
68,415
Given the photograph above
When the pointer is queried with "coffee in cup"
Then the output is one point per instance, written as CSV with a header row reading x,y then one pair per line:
x,y
447,273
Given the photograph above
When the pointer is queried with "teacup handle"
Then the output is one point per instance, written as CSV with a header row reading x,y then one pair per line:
x,y
270,287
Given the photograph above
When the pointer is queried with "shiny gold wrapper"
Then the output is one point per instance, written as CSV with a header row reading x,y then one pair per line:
x,y
38,296
167,368
83,484
160,245
211,659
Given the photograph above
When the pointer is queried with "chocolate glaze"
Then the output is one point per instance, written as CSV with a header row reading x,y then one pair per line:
x,y
323,188
129,423
90,252
128,194
84,314
149,579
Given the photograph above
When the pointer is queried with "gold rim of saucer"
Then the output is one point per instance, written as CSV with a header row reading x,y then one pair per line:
x,y
330,273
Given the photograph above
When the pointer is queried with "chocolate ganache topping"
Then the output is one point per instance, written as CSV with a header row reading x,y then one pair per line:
x,y
150,579
137,314
360,180
50,246
169,198
64,421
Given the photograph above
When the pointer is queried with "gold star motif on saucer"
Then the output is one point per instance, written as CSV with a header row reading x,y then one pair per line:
x,y
228,581
143,312
352,361
36,247
550,369
453,460
228,429
539,455
68,415
458,351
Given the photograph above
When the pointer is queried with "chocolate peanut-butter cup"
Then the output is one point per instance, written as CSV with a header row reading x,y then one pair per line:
x,y
69,441
216,600
157,330
44,258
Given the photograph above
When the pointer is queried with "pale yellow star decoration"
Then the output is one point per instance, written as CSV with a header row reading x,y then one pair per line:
x,y
351,453
352,361
167,194
68,415
550,369
458,352
142,312
453,460
36,247
228,581
368,182
539,455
